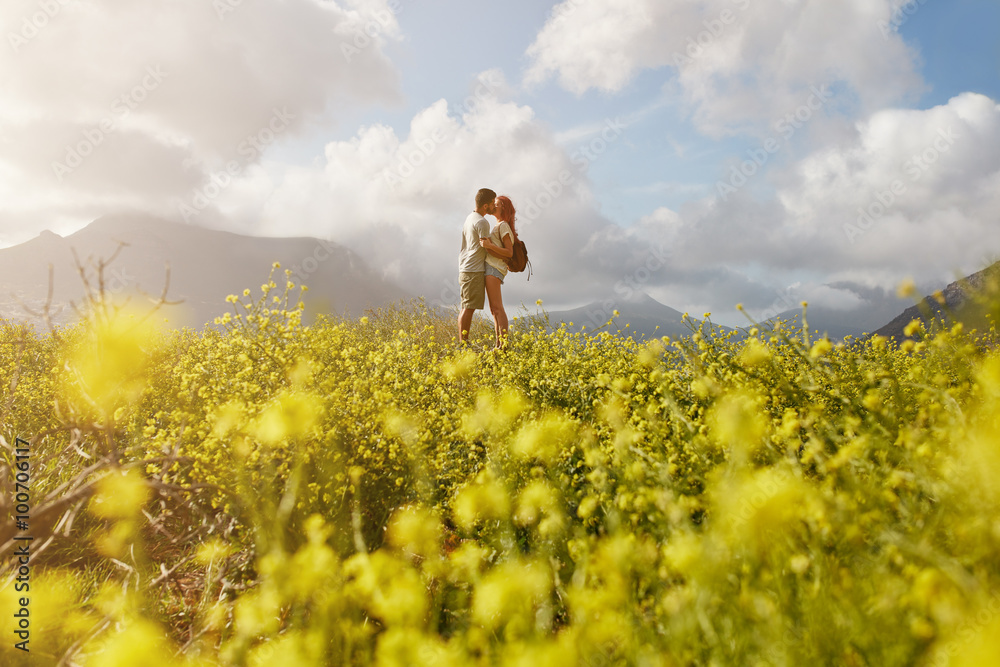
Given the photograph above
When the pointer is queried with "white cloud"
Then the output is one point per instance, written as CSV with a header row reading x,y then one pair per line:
x,y
828,297
399,197
178,86
914,188
725,52
714,253
400,201
942,220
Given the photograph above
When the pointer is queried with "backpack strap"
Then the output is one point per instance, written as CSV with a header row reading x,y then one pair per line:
x,y
527,265
527,260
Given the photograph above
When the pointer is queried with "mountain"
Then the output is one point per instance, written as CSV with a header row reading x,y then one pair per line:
x,y
205,266
959,305
874,307
642,313
838,324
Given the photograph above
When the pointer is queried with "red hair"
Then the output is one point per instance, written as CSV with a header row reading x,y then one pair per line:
x,y
505,211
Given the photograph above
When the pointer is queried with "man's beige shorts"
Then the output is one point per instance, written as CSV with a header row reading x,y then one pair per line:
x,y
473,290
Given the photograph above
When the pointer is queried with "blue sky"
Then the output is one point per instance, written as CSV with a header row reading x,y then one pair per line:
x,y
959,47
805,222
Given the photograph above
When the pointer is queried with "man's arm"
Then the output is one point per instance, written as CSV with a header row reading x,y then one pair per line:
x,y
483,229
503,252
506,252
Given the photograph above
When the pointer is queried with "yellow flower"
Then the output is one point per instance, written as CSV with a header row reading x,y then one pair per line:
x,y
913,328
120,494
754,353
736,422
212,552
289,416
416,530
820,348
109,367
906,289
510,592
545,439
485,500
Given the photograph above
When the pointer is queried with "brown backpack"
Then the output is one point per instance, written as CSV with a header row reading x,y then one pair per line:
x,y
519,260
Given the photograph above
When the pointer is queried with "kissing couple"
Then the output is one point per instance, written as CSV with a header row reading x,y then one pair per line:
x,y
482,264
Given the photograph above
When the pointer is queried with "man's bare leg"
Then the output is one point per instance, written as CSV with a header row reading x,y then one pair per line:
x,y
465,324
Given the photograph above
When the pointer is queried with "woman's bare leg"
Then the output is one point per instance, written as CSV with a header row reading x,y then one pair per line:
x,y
500,323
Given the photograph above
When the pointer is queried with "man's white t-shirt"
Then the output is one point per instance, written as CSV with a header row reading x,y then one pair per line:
x,y
472,259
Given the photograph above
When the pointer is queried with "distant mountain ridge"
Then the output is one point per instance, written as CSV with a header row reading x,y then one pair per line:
x,y
205,266
877,307
641,316
958,305
648,318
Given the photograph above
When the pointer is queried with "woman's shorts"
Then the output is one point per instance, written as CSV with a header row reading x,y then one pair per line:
x,y
492,271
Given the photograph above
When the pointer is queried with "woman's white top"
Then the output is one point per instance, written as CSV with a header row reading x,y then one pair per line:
x,y
500,231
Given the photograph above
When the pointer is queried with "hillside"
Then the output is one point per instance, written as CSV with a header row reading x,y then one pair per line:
x,y
645,316
875,306
205,266
959,305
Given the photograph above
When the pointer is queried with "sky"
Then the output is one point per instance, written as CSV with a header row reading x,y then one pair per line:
x,y
706,152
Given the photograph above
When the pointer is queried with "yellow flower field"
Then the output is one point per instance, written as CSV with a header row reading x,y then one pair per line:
x,y
363,492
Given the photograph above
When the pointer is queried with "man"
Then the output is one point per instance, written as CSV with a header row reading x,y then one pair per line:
x,y
472,261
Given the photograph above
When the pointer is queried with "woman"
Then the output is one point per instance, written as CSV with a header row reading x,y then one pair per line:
x,y
499,247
